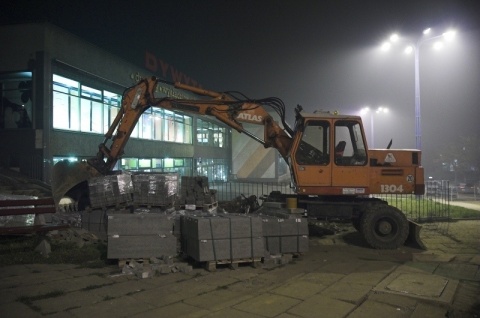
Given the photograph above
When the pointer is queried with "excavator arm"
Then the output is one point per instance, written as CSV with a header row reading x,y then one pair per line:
x,y
224,107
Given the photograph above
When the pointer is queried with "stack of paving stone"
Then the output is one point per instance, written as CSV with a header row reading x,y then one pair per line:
x,y
140,235
288,235
154,189
95,222
221,238
194,193
111,190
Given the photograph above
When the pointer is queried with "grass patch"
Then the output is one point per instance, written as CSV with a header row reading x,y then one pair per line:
x,y
16,250
427,208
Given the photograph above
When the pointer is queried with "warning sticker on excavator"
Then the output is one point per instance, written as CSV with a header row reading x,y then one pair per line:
x,y
390,158
410,178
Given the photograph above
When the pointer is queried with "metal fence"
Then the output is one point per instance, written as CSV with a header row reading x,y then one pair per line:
x,y
433,208
227,191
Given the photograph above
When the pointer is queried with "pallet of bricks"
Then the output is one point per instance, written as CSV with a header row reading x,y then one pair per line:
x,y
195,194
223,239
140,236
154,189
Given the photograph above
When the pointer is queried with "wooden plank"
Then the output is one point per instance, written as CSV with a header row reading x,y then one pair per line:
x,y
28,206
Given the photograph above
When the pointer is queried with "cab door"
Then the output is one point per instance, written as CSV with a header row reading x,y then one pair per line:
x,y
350,169
311,157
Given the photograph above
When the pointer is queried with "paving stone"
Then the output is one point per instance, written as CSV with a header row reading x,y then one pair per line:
x,y
268,305
18,310
159,297
431,257
119,307
79,283
321,306
353,293
369,278
120,289
374,309
419,285
458,271
346,267
428,267
50,267
378,266
13,294
14,270
32,279
300,289
174,310
425,310
79,272
234,313
325,279
64,302
218,299
394,300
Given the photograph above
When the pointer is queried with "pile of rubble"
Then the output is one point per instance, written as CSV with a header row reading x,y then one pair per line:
x,y
153,266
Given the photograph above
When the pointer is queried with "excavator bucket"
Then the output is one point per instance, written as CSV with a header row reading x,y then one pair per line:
x,y
413,238
68,178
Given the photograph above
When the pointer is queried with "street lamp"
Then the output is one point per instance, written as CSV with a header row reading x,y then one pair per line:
x,y
367,110
415,49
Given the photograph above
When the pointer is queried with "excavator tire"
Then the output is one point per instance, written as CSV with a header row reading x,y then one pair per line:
x,y
384,227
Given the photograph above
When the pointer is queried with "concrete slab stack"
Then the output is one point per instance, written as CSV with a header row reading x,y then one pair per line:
x,y
285,235
140,235
225,237
194,193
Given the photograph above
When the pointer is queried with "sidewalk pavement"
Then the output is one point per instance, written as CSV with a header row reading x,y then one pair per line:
x,y
339,277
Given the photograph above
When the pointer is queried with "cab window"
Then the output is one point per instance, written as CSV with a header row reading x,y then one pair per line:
x,y
349,144
314,146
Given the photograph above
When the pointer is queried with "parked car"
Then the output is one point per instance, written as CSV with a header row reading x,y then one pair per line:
x,y
466,188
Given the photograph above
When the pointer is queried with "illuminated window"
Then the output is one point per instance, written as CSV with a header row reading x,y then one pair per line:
x,y
210,134
83,108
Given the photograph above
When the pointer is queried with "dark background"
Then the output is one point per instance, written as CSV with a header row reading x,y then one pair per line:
x,y
323,55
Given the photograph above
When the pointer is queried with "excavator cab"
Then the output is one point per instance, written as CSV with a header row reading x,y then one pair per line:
x,y
329,154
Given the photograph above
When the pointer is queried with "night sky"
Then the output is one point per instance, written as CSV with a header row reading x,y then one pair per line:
x,y
323,55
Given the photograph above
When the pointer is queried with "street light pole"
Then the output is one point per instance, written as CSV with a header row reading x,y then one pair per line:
x,y
418,117
416,48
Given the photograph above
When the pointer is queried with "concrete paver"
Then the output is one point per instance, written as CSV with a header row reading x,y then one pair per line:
x,y
268,305
375,309
321,306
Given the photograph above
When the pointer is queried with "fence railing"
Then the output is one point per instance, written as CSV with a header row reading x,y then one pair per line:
x,y
227,191
432,208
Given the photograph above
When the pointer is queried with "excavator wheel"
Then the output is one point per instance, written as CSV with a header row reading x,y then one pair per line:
x,y
384,227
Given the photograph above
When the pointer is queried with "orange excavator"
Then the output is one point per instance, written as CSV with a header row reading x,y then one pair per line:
x,y
333,172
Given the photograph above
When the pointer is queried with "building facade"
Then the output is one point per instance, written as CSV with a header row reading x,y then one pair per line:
x,y
60,94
